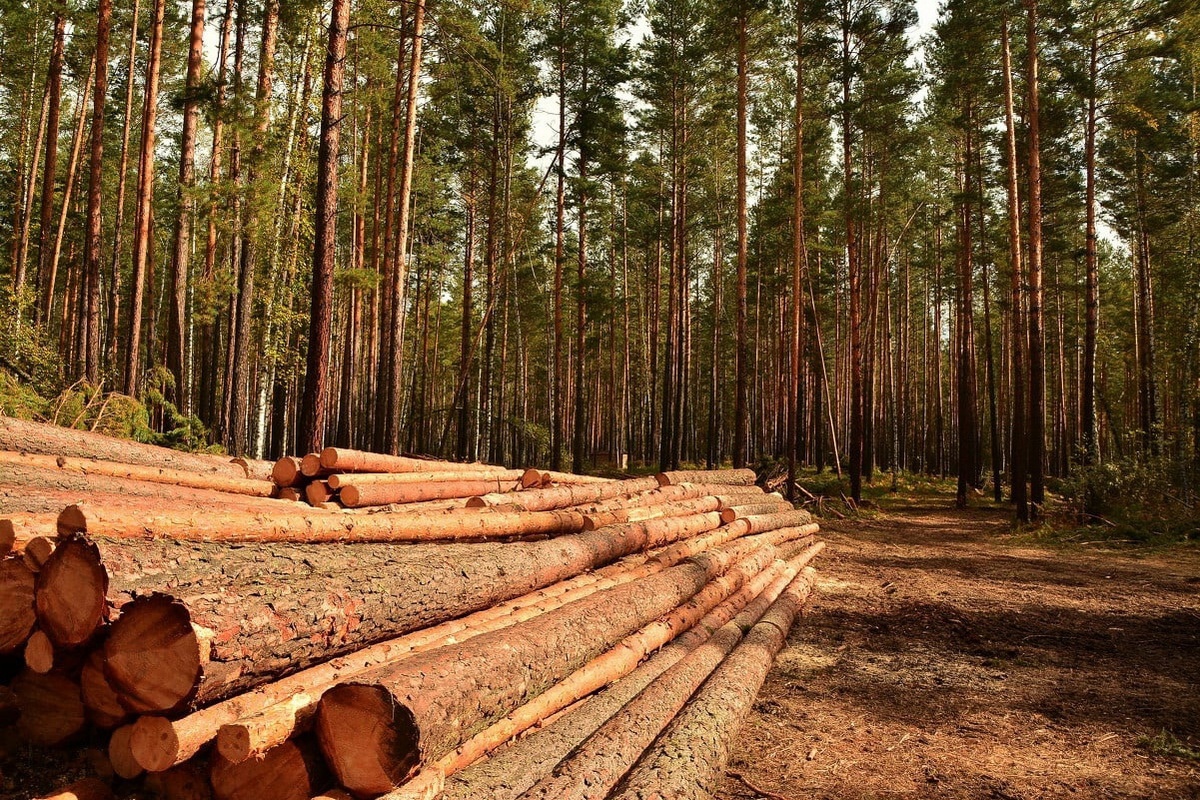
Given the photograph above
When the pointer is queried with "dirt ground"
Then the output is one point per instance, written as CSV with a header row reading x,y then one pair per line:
x,y
943,658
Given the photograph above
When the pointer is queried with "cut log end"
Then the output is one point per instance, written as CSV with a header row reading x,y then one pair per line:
x,y
86,789
532,478
286,471
370,743
37,551
153,657
310,465
51,708
476,502
103,708
17,615
121,756
72,519
39,653
291,771
154,743
72,587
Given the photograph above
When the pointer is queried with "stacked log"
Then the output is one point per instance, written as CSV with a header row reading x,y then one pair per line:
x,y
219,639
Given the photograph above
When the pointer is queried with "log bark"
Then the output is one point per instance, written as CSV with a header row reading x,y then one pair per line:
x,y
86,789
291,771
606,668
342,459
379,729
338,481
51,708
731,513
33,437
510,772
567,495
732,477
552,477
318,603
251,723
17,616
112,469
251,526
594,769
356,495
688,760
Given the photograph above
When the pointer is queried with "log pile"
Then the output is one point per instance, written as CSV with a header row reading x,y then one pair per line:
x,y
416,629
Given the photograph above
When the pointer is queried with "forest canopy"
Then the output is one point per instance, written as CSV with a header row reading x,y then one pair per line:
x,y
590,233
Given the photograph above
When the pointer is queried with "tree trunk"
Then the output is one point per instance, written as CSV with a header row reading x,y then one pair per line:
x,y
145,199
54,100
1037,338
177,339
1019,340
741,351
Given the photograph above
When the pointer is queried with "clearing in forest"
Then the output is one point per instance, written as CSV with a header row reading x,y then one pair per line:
x,y
943,656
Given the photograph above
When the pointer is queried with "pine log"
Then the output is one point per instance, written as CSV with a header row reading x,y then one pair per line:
x,y
291,771
594,768
286,472
104,709
379,729
17,616
241,616
604,669
135,472
730,513
356,495
734,477
721,488
689,758
696,505
185,782
51,708
341,459
317,493
120,756
33,437
338,480
86,789
290,493
36,551
552,478
510,772
778,519
72,588
251,723
16,530
310,526
39,653
567,495
311,467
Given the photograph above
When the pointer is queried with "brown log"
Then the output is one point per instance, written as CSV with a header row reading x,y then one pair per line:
x,y
158,653
9,711
290,493
507,774
17,529
317,493
104,709
286,472
86,789
120,756
696,505
311,467
552,478
734,477
185,782
379,729
338,480
51,708
567,495
251,723
731,513
606,668
689,758
291,771
355,495
341,459
721,488
36,551
17,616
316,526
33,437
112,469
596,766
72,588
779,519
533,478
39,653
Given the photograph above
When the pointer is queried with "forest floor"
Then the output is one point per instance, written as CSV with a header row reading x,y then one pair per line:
x,y
944,655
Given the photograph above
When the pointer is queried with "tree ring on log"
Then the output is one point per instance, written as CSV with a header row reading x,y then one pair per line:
x,y
152,656
154,743
371,742
72,591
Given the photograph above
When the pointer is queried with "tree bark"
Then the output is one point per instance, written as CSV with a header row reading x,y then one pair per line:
x,y
54,100
741,349
1037,338
1019,340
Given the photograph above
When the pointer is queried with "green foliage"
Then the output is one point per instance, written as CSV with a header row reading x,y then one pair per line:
x,y
1166,743
1132,498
